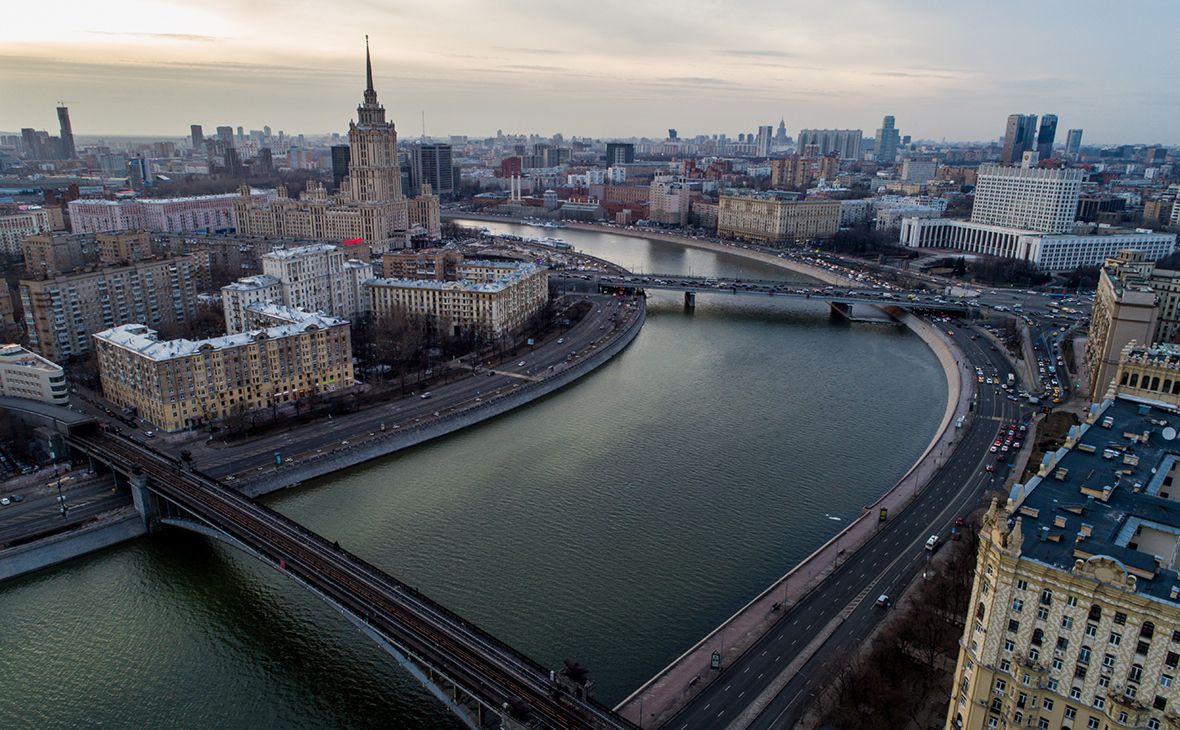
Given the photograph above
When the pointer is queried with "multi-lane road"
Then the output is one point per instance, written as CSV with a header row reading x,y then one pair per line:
x,y
39,511
888,561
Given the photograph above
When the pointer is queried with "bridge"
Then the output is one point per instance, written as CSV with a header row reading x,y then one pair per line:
x,y
841,300
485,682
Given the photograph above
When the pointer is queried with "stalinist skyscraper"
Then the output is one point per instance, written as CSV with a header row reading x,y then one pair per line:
x,y
369,205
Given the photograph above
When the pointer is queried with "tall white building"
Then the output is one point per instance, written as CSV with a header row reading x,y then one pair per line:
x,y
25,374
1037,199
668,201
316,278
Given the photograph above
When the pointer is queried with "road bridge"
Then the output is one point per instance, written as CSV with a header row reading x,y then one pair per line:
x,y
841,300
481,679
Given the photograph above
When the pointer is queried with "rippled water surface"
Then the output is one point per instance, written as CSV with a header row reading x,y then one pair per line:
x,y
614,522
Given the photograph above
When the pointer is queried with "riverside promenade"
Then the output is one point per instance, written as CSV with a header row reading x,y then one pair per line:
x,y
681,680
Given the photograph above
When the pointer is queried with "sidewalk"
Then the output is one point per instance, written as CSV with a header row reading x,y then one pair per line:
x,y
677,683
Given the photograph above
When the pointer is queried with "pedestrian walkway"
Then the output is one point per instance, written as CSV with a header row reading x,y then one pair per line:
x,y
677,683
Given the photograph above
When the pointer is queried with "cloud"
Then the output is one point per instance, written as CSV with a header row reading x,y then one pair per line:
x,y
191,37
912,75
750,53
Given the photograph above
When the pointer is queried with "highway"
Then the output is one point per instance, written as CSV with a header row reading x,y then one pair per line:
x,y
241,461
39,513
885,564
501,677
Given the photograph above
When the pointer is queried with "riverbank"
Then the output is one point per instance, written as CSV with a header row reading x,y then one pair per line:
x,y
798,267
110,529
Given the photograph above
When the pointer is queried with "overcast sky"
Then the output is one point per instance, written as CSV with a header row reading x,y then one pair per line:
x,y
602,68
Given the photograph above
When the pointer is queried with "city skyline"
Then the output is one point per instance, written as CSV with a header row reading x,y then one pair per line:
x,y
140,68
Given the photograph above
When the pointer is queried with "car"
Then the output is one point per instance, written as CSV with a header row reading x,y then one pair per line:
x,y
883,601
932,542
959,522
425,395
520,364
5,501
150,434
989,467
561,340
16,498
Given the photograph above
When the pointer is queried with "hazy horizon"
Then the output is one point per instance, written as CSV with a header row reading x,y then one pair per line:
x,y
150,68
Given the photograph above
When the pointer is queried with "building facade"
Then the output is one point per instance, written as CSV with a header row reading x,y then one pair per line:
x,y
61,312
180,384
209,213
669,201
25,374
489,299
775,219
844,142
887,140
15,228
1019,137
370,204
1038,199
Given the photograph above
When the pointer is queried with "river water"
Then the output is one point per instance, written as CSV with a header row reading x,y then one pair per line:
x,y
614,522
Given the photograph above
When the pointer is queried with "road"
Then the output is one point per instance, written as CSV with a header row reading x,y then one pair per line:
x,y
39,512
886,563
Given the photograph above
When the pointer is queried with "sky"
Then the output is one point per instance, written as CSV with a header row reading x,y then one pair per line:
x,y
607,68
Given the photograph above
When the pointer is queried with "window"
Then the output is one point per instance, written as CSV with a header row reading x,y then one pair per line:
x,y
1108,660
1005,665
1052,685
1153,724
1103,682
1014,626
1120,618
1092,723
1017,605
1042,613
1095,614
1062,643
1172,660
1084,655
1057,665
1136,673
1047,703
1147,631
1070,712
1072,601
1009,646
1176,636
1046,597
1075,693
1099,702
1165,680
1022,585
1160,703
1116,638
1066,622
1091,631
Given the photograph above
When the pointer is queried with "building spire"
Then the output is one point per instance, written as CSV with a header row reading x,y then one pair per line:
x,y
368,66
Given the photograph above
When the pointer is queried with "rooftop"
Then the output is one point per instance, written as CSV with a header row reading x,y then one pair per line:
x,y
12,354
520,272
299,251
1108,493
250,283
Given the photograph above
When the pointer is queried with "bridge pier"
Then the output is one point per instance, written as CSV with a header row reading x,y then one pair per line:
x,y
690,300
841,309
143,499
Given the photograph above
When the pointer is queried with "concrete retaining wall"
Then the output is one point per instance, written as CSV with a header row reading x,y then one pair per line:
x,y
113,529
396,440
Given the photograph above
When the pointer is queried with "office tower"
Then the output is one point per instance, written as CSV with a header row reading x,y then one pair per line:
x,y
30,143
1073,142
197,135
431,164
1045,136
241,134
887,139
672,135
225,135
619,153
1019,137
266,131
340,159
780,135
232,162
67,133
762,141
845,142
139,173
1030,198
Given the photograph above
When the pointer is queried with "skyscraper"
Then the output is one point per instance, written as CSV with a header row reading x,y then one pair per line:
x,y
225,135
672,134
198,137
431,164
1073,142
67,133
1019,137
1045,136
762,141
619,153
887,139
340,160
780,135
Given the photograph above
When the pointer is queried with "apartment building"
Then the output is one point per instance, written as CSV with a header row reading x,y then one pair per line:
x,y
493,299
25,374
1075,607
774,218
14,228
427,263
668,201
62,311
1148,373
178,384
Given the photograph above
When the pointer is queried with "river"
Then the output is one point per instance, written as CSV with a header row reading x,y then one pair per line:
x,y
614,522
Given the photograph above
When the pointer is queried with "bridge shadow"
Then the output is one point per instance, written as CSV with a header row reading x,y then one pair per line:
x,y
291,637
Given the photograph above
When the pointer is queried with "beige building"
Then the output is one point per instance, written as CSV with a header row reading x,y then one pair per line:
x,y
1075,608
25,374
669,201
426,263
14,228
50,254
1135,301
491,299
370,204
63,311
181,384
1148,373
771,218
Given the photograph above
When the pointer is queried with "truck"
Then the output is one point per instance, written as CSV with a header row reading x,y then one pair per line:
x,y
1011,378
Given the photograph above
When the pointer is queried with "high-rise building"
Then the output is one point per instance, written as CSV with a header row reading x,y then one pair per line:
x,y
197,137
780,135
67,133
1073,142
25,374
1032,198
762,141
1019,137
14,228
887,140
1045,136
432,164
30,144
673,135
845,142
340,160
619,153
370,204
225,135
668,201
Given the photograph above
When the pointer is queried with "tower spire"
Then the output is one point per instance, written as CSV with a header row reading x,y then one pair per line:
x,y
368,67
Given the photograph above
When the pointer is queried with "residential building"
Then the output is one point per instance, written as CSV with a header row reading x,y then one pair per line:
x,y
1030,198
669,201
1150,373
918,171
315,278
763,140
369,205
844,142
487,307
1075,605
1045,136
1073,143
197,138
209,213
774,218
440,264
1019,137
61,312
14,228
124,247
25,374
49,254
619,153
178,384
887,140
